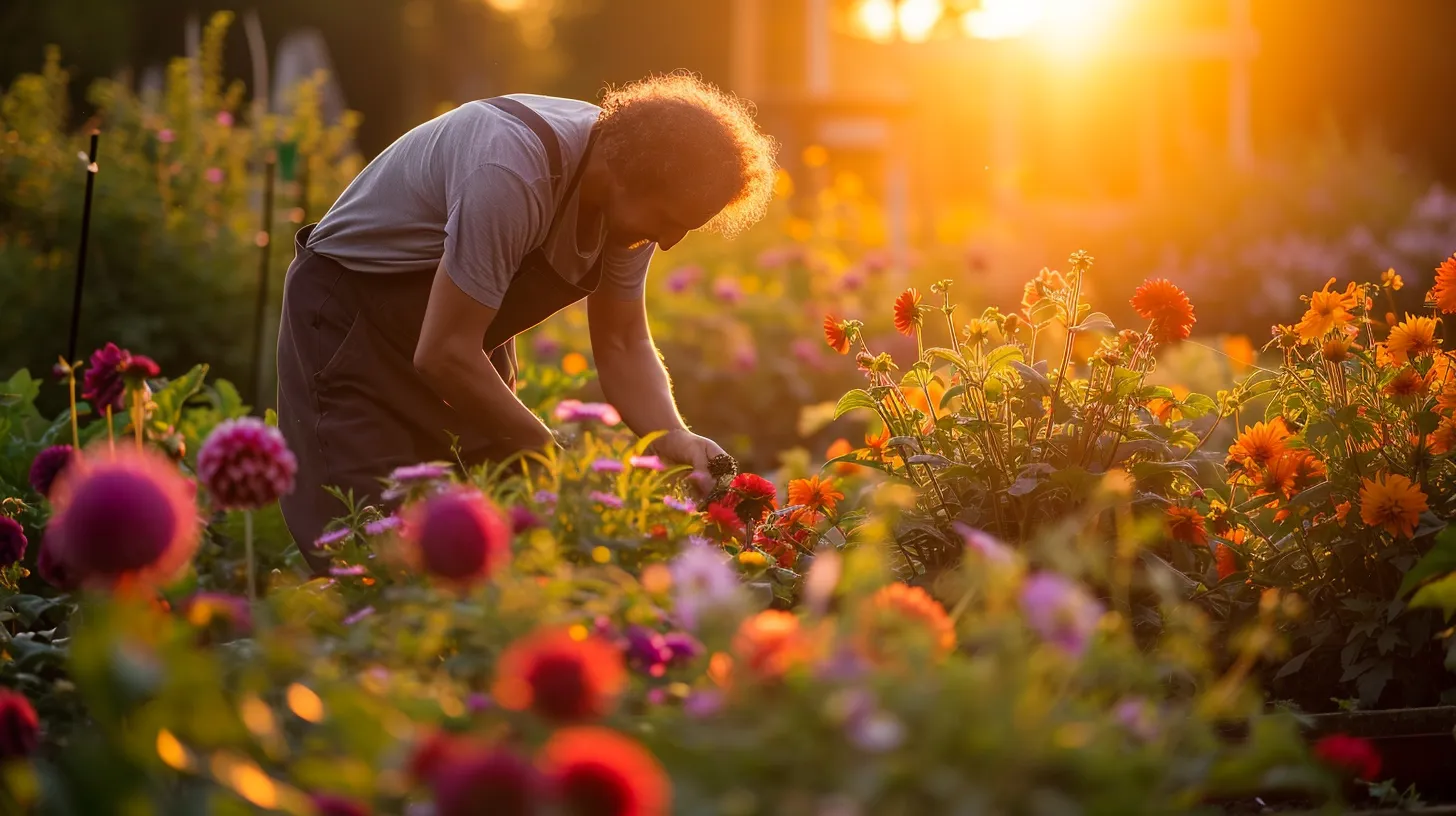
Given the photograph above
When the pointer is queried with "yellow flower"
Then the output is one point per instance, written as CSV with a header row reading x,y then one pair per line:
x,y
1392,502
1391,280
1327,312
1261,444
1415,337
752,558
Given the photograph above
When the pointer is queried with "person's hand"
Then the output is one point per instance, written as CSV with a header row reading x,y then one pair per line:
x,y
683,447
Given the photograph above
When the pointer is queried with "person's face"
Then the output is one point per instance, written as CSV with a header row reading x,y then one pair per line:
x,y
635,220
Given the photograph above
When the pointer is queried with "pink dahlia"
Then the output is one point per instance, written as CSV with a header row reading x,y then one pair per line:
x,y
460,535
245,464
19,726
128,516
12,541
47,465
108,373
486,780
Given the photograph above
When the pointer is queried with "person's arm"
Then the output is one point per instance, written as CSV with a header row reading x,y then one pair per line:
x,y
450,360
635,382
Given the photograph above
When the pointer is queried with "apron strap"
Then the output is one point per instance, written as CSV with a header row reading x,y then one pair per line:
x,y
538,126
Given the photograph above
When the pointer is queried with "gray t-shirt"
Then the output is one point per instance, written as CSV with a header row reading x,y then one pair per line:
x,y
473,187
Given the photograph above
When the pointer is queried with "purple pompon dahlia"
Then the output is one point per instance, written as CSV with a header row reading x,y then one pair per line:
x,y
123,518
47,465
12,541
245,464
460,536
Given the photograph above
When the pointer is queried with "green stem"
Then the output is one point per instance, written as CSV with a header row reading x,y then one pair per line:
x,y
248,551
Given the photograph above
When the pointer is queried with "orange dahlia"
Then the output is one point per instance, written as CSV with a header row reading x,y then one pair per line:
x,y
1308,469
1225,560
907,312
1162,302
1277,477
1187,525
814,494
1444,292
1443,439
1393,502
1327,312
1407,383
835,334
897,608
769,644
598,772
1413,337
1261,444
559,677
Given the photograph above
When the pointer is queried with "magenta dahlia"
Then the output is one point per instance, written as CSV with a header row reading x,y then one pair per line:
x,y
108,373
460,535
245,464
53,568
124,517
47,465
12,541
486,780
327,804
19,726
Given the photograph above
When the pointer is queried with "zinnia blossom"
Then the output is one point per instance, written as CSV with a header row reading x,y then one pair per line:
x,y
595,771
571,410
1413,337
1186,524
1392,501
123,517
459,536
1444,292
814,494
886,614
769,644
245,464
1327,311
1261,444
907,312
471,779
837,448
559,677
1167,307
606,499
835,334
1351,755
1225,560
1060,611
756,496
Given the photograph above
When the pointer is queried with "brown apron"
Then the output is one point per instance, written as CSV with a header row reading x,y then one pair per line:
x,y
350,403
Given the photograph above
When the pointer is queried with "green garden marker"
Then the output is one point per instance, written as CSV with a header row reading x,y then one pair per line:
x,y
287,160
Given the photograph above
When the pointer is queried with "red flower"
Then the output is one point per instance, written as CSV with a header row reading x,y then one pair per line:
x,y
722,515
19,726
783,551
907,312
559,677
486,780
756,496
1226,560
109,372
1187,525
1168,308
12,541
430,754
598,772
835,335
129,517
461,537
1351,755
326,804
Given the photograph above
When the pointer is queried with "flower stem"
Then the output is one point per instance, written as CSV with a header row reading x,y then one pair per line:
x,y
138,414
248,551
110,432
75,428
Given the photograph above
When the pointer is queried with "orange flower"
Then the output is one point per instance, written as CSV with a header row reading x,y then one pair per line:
x,y
907,312
1260,444
837,448
1443,439
1414,337
1186,524
1407,383
897,609
1277,477
1046,282
1308,469
1167,306
835,335
1444,292
1342,512
813,494
876,444
1225,560
559,677
1327,311
769,644
1337,349
1161,409
1392,502
597,770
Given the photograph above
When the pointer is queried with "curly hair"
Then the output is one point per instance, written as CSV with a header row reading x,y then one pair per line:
x,y
675,129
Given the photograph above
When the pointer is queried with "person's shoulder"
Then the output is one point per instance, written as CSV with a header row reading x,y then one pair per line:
x,y
483,134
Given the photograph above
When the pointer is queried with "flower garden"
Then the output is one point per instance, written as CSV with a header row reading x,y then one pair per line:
x,y
1009,566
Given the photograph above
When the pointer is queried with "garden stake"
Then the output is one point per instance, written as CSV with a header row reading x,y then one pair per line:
x,y
91,169
248,553
264,240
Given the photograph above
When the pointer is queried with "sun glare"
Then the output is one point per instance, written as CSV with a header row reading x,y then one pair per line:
x,y
1061,21
877,19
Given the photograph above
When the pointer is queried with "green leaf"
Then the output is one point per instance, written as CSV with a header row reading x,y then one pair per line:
x,y
1196,405
949,356
171,398
1032,376
917,377
1152,392
1001,357
950,394
1295,664
857,398
1312,495
1440,559
1437,595
1096,321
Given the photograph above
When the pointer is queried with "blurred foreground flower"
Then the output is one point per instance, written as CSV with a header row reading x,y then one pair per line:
x,y
1060,611
571,410
470,779
458,536
561,678
598,772
19,726
1350,755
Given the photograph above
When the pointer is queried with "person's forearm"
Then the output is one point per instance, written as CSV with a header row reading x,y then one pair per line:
x,y
472,386
635,382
